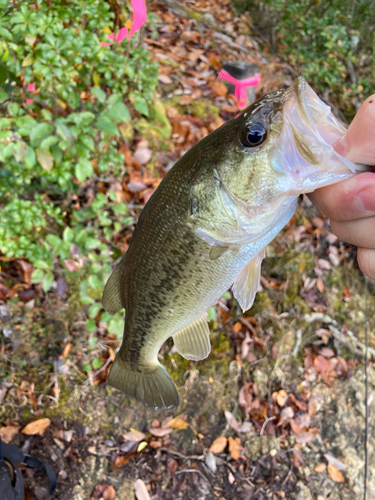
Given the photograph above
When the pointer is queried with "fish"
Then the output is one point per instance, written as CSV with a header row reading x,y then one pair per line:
x,y
206,228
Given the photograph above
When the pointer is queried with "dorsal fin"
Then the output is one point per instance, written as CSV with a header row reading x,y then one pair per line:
x,y
193,341
111,300
247,282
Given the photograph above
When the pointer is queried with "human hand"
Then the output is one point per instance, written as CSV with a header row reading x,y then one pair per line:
x,y
351,204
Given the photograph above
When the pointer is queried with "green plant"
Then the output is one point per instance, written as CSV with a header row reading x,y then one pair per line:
x,y
69,133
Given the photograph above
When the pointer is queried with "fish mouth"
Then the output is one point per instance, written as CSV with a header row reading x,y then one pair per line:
x,y
310,130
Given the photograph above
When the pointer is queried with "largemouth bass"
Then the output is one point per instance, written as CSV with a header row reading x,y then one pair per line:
x,y
206,227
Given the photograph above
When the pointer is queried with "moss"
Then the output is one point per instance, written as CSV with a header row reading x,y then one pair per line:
x,y
203,108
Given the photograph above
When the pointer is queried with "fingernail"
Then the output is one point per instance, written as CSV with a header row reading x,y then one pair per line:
x,y
366,200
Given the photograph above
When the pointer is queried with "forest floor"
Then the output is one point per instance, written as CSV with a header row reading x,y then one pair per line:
x,y
277,409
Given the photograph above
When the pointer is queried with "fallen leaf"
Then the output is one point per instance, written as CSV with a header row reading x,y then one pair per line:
x,y
172,466
285,415
142,446
335,461
165,79
235,448
36,427
320,284
320,467
140,490
134,436
219,88
121,460
231,419
7,432
210,461
305,437
219,445
321,364
281,397
109,493
335,474
178,423
161,431
142,156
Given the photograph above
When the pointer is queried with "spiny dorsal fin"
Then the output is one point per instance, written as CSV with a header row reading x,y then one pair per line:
x,y
111,300
247,283
217,251
193,341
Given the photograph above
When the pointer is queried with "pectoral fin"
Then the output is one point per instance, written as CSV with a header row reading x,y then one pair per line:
x,y
193,341
111,300
247,283
217,251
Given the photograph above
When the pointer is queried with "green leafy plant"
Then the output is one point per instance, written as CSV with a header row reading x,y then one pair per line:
x,y
65,100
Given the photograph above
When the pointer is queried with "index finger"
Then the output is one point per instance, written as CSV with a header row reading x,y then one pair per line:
x,y
351,199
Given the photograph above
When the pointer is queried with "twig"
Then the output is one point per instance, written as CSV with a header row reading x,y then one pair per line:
x,y
265,424
341,338
298,343
193,470
181,455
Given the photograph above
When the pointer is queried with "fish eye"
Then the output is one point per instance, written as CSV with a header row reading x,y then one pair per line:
x,y
253,135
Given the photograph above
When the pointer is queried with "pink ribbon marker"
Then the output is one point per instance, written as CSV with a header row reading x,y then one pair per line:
x,y
30,88
240,91
139,17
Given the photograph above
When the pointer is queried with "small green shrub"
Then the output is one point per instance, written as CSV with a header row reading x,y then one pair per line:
x,y
55,147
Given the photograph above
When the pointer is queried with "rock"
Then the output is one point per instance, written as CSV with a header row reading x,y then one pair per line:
x,y
126,490
92,471
304,492
257,446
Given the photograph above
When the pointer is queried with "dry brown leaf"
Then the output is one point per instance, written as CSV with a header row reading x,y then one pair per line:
x,y
66,350
214,61
306,437
320,467
320,284
121,460
312,408
134,436
335,473
285,415
109,493
321,364
36,427
7,432
281,397
235,448
231,419
165,79
219,445
219,88
161,431
178,423
140,490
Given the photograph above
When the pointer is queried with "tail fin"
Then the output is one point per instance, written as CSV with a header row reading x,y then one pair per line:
x,y
153,388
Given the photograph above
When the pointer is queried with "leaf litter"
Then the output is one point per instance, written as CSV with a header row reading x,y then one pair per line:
x,y
287,413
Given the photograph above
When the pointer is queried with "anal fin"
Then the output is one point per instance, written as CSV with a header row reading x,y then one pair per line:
x,y
111,300
247,282
193,341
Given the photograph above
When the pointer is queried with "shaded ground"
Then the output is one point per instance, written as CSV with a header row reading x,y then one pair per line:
x,y
283,388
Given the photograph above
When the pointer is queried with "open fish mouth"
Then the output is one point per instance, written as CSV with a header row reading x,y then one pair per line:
x,y
306,141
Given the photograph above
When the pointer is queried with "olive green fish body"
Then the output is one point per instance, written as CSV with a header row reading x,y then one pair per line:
x,y
205,229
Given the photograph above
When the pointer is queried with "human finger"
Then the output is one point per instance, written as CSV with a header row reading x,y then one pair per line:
x,y
351,199
366,261
360,232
